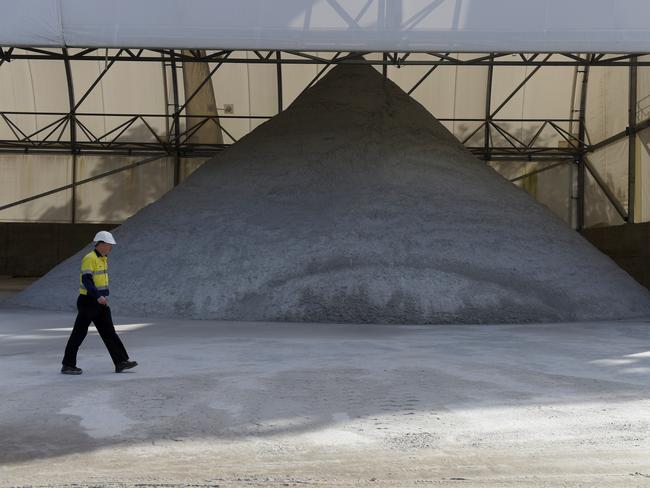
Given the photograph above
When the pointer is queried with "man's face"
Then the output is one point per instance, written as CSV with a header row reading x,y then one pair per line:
x,y
104,248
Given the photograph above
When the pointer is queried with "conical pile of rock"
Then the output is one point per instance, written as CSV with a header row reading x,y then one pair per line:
x,y
353,205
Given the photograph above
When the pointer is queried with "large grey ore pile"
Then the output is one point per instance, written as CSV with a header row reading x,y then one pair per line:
x,y
353,205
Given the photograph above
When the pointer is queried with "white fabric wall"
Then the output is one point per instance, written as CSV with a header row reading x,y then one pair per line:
x,y
117,197
607,114
450,92
125,88
32,86
24,175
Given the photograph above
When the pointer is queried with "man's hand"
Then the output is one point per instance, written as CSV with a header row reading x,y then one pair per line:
x,y
102,301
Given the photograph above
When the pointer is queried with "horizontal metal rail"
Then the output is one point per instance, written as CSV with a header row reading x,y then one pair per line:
x,y
8,54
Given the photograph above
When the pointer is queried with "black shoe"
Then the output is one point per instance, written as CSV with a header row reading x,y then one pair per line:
x,y
119,367
71,370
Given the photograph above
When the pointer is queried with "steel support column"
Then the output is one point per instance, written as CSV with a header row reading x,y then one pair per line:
x,y
176,121
73,133
581,142
632,129
278,56
488,116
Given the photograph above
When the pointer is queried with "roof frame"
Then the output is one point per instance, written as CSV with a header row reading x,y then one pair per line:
x,y
177,141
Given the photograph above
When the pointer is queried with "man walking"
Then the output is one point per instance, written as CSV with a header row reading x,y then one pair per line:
x,y
92,305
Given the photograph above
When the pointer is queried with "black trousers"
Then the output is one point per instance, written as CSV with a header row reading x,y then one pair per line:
x,y
100,315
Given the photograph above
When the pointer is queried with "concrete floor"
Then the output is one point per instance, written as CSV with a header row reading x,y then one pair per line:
x,y
260,404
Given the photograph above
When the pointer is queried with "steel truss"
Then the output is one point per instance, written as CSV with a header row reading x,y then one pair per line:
x,y
397,59
177,141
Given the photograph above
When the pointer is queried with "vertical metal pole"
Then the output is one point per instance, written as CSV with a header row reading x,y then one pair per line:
x,y
487,150
581,194
73,133
573,187
581,156
278,56
384,68
166,93
176,122
631,175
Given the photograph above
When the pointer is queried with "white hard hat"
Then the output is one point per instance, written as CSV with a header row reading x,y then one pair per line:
x,y
104,236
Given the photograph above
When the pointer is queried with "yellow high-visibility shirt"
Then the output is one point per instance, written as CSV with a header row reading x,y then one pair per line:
x,y
95,265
